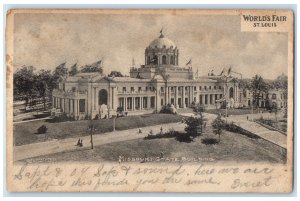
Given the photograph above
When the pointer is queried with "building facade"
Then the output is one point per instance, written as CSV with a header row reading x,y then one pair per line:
x,y
158,82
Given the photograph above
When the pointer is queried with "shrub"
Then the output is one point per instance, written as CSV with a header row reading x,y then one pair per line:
x,y
41,130
168,109
184,138
181,137
193,126
61,118
218,126
209,141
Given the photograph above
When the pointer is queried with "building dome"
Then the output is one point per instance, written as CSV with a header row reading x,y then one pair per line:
x,y
162,42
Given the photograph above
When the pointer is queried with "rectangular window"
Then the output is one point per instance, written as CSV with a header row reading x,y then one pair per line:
x,y
200,98
195,88
209,87
204,87
132,89
206,97
211,99
220,87
73,89
162,89
216,97
140,88
215,87
162,102
200,88
124,89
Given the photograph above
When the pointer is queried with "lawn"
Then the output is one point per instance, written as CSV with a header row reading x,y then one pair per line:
x,y
25,133
232,147
233,111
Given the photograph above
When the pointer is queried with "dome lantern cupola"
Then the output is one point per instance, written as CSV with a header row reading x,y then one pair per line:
x,y
161,52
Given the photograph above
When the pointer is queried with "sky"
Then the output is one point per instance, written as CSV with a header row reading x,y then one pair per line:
x,y
213,42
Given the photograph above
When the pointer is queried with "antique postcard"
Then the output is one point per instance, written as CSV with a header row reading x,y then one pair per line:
x,y
150,100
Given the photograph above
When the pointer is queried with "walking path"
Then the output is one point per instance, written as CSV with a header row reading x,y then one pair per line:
x,y
56,146
261,131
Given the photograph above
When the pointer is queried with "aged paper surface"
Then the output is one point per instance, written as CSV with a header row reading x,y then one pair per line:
x,y
150,100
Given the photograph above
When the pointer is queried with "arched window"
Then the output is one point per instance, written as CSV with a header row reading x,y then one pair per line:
x,y
102,97
164,59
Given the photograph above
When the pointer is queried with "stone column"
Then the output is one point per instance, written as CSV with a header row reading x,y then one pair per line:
x,y
53,103
213,99
133,103
75,107
67,105
141,102
176,97
208,99
169,94
192,97
86,107
92,100
125,103
97,99
71,106
183,97
63,104
78,110
166,95
148,102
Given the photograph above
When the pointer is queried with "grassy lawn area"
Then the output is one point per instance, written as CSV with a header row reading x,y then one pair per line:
x,y
233,111
232,147
25,133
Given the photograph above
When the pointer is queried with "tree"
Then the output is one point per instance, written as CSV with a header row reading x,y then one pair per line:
x,y
281,82
198,111
44,84
258,86
24,80
192,125
95,67
73,70
218,125
60,71
115,74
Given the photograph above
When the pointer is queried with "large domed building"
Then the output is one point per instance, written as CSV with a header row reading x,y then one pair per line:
x,y
158,82
161,57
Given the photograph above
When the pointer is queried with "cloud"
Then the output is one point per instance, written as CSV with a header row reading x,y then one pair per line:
x,y
45,41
